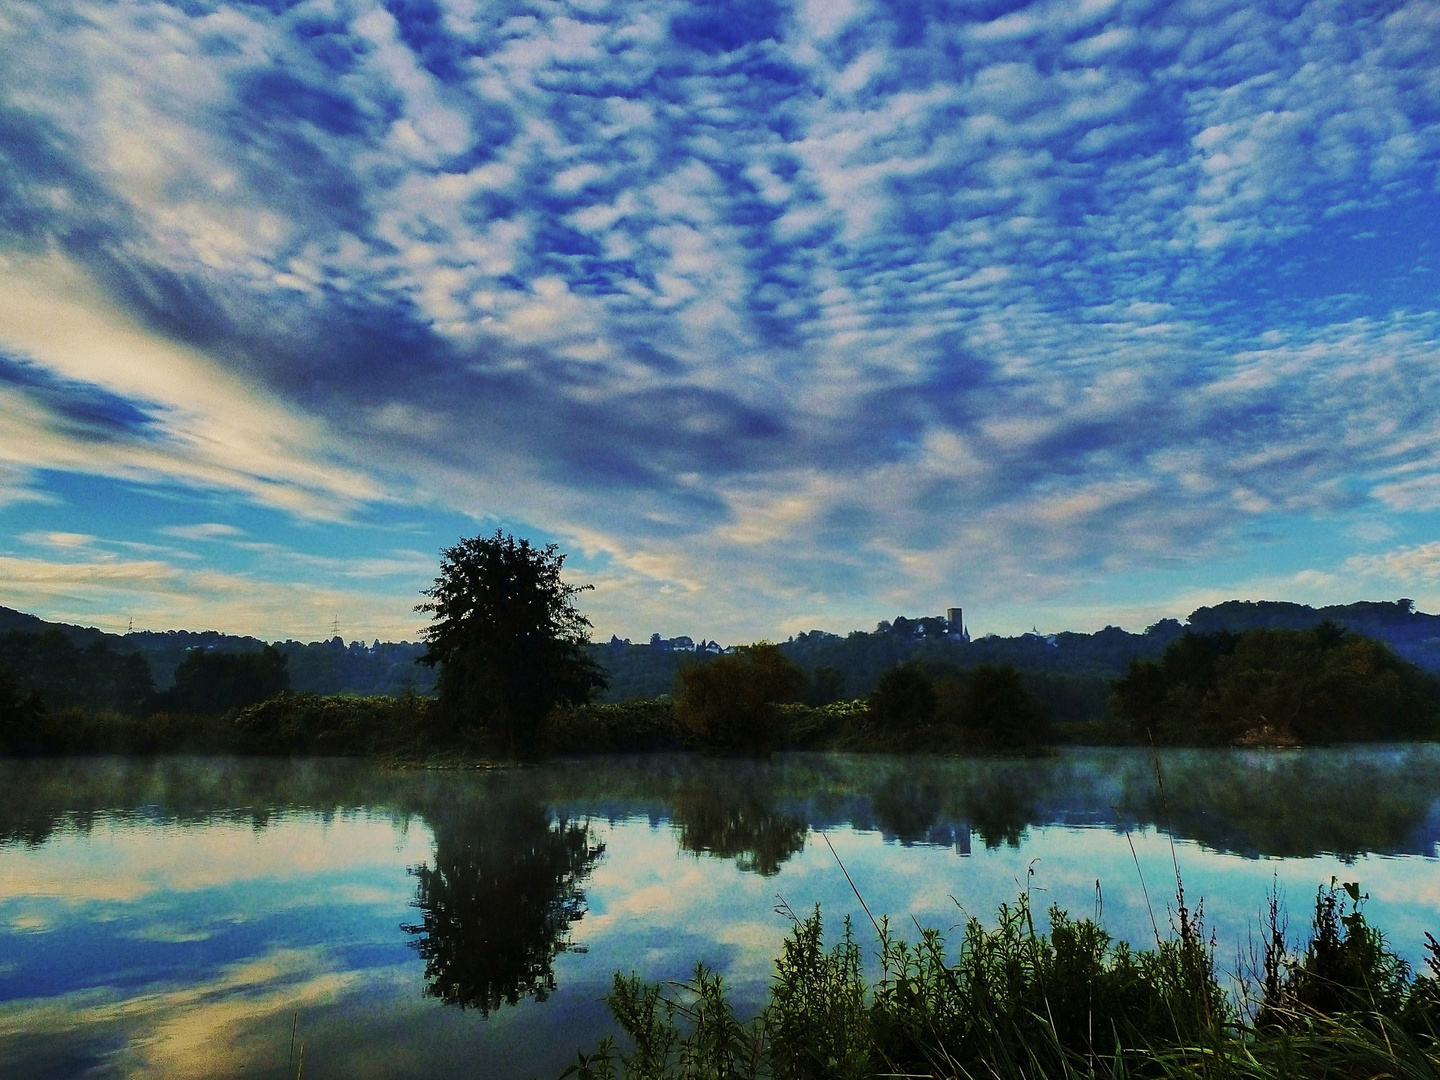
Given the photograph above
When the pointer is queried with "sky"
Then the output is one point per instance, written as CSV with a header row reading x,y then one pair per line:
x,y
773,316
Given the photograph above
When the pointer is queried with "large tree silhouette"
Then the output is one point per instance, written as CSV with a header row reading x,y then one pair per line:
x,y
507,638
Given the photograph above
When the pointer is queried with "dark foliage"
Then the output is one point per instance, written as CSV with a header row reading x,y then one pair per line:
x,y
21,716
1313,686
729,703
628,727
299,723
213,683
903,700
993,707
824,685
93,677
507,638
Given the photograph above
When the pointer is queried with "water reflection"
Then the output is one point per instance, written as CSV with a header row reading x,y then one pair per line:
x,y
163,905
1259,803
1342,801
739,821
498,900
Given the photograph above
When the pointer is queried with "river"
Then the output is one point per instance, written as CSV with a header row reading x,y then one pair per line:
x,y
182,917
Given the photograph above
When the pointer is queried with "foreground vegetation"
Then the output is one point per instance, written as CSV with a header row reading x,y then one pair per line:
x,y
1015,1002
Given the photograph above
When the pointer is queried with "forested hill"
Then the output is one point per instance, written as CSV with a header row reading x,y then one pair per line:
x,y
1071,670
323,667
1413,634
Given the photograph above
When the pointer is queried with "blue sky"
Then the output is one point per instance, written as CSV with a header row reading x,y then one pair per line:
x,y
774,316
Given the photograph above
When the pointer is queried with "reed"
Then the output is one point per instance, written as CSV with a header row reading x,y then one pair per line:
x,y
1013,1003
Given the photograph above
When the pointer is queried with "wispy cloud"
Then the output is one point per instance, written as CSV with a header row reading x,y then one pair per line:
x,y
819,306
205,530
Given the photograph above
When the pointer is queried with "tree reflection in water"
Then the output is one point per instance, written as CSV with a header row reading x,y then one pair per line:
x,y
739,822
499,900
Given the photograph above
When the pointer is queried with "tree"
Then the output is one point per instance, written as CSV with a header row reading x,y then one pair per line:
x,y
211,682
1319,685
904,699
20,717
997,709
507,638
729,702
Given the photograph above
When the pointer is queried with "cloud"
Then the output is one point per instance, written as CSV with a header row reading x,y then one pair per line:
x,y
62,540
155,594
810,306
1417,564
205,530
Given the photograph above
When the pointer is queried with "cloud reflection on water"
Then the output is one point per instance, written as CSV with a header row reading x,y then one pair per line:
x,y
169,918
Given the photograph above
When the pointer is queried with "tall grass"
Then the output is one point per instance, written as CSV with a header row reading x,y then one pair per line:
x,y
1013,1003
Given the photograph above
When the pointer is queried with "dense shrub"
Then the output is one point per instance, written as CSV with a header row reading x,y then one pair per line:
x,y
994,709
20,716
299,723
824,685
729,703
65,676
627,726
944,708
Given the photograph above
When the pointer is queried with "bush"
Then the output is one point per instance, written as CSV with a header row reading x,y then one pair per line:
x,y
628,727
301,723
729,704
21,716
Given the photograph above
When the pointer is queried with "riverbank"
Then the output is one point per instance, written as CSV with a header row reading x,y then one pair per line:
x,y
409,731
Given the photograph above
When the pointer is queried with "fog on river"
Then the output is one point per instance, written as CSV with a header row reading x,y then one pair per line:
x,y
182,917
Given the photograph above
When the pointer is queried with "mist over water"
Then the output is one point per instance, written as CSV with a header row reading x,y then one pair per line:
x,y
177,917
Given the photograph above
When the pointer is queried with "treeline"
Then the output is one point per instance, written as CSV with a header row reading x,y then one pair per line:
x,y
1071,671
58,697
323,667
1261,687
1312,686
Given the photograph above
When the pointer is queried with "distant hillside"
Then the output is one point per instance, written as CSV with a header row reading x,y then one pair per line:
x,y
322,667
1413,634
1071,671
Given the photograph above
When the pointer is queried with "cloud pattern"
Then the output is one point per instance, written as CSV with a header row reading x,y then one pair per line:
x,y
806,309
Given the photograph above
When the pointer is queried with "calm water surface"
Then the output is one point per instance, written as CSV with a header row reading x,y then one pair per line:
x,y
178,917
